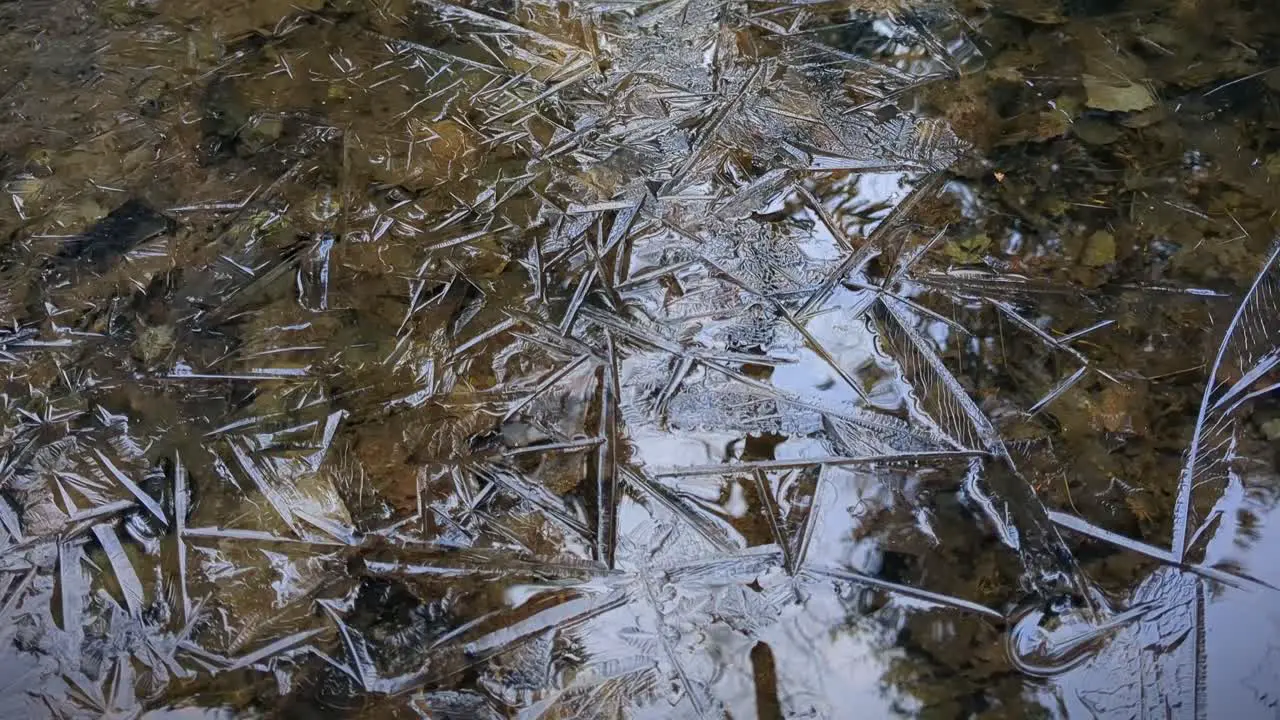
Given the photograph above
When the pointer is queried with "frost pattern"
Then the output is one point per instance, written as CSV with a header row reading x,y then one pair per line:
x,y
558,391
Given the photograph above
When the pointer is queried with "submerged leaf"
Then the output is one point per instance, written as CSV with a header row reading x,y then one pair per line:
x,y
1116,95
1099,249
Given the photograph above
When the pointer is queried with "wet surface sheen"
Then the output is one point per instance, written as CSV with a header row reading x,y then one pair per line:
x,y
422,358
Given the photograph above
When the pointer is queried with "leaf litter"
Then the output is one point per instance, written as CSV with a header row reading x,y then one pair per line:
x,y
611,359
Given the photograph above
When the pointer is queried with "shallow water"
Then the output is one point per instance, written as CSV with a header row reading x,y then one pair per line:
x,y
411,358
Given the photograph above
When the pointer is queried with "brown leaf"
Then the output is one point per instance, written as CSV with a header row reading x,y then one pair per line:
x,y
1116,95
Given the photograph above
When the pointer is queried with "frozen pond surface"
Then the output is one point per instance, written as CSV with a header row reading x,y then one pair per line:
x,y
415,358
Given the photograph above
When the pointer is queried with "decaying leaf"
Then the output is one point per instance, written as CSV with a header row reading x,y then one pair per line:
x,y
1099,249
1116,95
